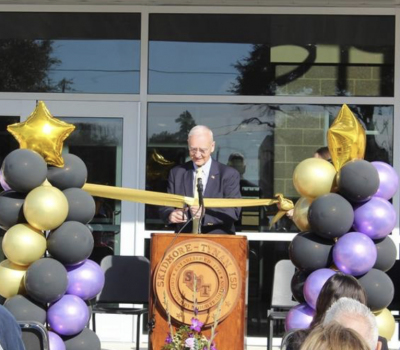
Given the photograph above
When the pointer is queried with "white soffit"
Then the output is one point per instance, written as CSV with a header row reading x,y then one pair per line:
x,y
262,3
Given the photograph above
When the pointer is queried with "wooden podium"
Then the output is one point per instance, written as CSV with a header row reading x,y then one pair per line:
x,y
219,263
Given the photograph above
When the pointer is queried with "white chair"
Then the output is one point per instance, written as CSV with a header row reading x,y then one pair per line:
x,y
282,300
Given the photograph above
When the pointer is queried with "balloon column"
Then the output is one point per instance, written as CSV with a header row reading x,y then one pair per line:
x,y
47,276
345,217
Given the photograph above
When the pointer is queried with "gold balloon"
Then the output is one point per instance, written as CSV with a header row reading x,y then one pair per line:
x,y
314,177
346,138
42,133
300,213
386,324
23,244
45,208
12,279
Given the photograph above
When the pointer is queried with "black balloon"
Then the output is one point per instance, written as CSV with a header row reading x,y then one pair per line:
x,y
387,253
46,280
297,284
81,205
330,216
85,340
11,209
358,181
24,170
25,309
379,289
71,243
310,252
72,174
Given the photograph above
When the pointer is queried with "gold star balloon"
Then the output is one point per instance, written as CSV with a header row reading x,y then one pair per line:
x,y
346,138
42,133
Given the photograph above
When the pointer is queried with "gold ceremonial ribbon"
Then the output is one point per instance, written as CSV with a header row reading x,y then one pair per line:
x,y
177,201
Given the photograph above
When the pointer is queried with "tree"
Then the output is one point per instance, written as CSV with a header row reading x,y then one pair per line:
x,y
24,66
186,122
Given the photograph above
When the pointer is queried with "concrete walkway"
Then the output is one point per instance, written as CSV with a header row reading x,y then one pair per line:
x,y
131,346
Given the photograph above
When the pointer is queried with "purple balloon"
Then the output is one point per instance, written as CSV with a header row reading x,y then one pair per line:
x,y
354,253
375,218
85,280
388,180
3,182
314,284
299,316
55,342
68,316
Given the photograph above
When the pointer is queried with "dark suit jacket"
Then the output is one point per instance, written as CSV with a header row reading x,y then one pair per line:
x,y
223,182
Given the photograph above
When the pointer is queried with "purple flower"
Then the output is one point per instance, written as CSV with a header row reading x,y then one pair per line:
x,y
168,340
196,325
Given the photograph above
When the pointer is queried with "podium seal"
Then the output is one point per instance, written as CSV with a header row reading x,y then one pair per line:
x,y
217,276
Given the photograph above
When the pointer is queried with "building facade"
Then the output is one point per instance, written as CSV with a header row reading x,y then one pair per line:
x,y
134,77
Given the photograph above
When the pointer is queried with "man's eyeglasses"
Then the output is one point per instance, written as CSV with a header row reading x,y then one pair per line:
x,y
194,150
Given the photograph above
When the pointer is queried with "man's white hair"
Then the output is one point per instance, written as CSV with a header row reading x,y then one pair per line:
x,y
200,129
351,313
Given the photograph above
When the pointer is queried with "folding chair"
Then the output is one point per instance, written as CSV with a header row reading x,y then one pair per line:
x,y
282,300
34,335
127,281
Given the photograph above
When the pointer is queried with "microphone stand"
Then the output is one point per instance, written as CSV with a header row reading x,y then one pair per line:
x,y
201,201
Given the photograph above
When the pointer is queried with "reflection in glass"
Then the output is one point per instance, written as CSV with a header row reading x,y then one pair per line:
x,y
264,142
7,142
96,66
98,142
70,52
302,55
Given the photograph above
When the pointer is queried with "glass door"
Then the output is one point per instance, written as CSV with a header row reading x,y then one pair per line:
x,y
103,139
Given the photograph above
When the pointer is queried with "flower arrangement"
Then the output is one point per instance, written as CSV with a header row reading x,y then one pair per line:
x,y
190,337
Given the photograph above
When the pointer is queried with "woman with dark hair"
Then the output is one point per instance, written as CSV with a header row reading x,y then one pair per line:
x,y
337,286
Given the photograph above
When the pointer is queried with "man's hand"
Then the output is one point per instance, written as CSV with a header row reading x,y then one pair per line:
x,y
196,211
178,216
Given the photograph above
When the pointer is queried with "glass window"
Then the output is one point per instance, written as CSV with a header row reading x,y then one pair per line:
x,y
309,55
267,142
70,52
7,142
98,142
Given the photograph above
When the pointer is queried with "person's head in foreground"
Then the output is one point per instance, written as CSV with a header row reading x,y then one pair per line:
x,y
352,314
337,286
334,337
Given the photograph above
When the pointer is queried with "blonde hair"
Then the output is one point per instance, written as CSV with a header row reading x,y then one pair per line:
x,y
334,337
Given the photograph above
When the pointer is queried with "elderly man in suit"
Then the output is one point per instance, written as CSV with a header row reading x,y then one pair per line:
x,y
219,181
